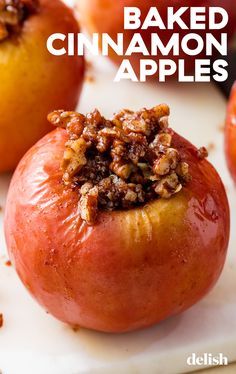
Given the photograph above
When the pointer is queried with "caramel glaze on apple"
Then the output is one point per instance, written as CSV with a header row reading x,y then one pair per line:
x,y
12,15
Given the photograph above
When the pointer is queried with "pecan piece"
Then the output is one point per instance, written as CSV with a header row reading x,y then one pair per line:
x,y
167,162
89,206
74,158
202,153
168,186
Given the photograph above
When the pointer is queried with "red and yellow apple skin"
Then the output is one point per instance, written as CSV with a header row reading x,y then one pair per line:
x,y
133,268
34,82
107,16
230,133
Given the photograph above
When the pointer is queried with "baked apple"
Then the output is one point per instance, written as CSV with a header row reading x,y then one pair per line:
x,y
30,76
117,224
230,133
107,16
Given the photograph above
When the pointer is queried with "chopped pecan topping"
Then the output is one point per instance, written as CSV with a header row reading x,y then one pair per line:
x,y
13,13
120,163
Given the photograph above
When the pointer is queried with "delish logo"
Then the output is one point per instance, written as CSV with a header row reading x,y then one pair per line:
x,y
207,359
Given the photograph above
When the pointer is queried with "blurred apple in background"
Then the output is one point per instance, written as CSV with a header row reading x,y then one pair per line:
x,y
107,16
32,81
230,133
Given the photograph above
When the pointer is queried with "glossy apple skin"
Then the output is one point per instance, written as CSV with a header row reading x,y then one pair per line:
x,y
107,16
133,268
34,82
230,133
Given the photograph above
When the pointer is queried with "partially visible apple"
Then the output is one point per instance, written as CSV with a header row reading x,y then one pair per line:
x,y
230,133
33,82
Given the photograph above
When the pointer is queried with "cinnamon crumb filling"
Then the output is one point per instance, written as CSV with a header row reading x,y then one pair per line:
x,y
120,163
12,15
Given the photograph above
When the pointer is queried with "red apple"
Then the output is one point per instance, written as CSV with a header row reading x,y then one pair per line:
x,y
133,268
